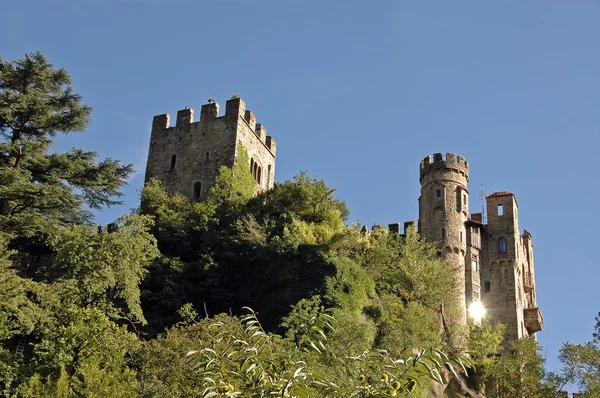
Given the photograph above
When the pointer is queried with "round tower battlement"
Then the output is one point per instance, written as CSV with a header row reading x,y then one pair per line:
x,y
439,162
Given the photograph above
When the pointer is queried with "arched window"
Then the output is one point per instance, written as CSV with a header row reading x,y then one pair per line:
x,y
255,170
173,161
197,190
501,246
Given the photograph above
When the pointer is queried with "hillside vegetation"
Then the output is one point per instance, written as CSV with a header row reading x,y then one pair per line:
x,y
241,295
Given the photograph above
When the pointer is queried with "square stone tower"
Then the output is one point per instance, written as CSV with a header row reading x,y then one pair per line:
x,y
187,157
507,273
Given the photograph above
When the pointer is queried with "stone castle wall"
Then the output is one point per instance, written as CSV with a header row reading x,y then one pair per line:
x,y
498,274
443,209
187,157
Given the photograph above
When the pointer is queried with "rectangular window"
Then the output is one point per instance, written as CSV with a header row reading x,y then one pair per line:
x,y
474,265
465,199
207,156
443,233
475,230
439,254
461,236
500,210
438,193
487,287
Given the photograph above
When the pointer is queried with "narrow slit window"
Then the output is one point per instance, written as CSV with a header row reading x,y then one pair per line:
x,y
465,200
173,161
500,210
197,190
501,246
443,233
259,175
207,156
461,236
487,287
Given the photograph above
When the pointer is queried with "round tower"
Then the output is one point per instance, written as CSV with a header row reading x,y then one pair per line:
x,y
443,211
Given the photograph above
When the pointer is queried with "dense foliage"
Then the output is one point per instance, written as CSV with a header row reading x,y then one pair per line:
x,y
158,304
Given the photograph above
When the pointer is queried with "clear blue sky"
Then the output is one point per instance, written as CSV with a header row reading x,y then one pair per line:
x,y
358,93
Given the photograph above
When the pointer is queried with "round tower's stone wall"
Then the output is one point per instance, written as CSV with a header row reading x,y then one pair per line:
x,y
443,211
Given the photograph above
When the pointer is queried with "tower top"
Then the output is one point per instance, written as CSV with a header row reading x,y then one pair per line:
x,y
440,162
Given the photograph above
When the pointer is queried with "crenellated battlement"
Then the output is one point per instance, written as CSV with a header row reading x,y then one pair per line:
x,y
235,108
440,161
186,153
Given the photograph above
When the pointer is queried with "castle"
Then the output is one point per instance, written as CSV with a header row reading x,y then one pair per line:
x,y
186,157
492,261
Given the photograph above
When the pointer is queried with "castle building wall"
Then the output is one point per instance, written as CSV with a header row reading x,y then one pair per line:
x,y
187,157
492,263
473,262
253,136
507,274
443,209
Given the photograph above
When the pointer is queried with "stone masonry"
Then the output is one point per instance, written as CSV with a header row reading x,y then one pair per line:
x,y
186,157
443,212
493,262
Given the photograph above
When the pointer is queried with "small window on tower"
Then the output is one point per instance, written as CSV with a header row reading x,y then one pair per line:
x,y
487,287
464,199
207,156
443,233
173,161
197,190
474,265
500,210
438,193
501,246
461,238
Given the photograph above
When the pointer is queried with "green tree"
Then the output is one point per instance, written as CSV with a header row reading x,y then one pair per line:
x,y
84,354
74,318
581,364
37,103
519,373
107,267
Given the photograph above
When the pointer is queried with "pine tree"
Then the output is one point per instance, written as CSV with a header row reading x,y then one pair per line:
x,y
36,186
